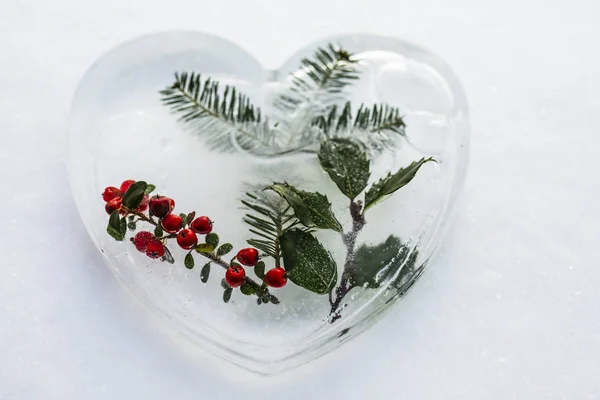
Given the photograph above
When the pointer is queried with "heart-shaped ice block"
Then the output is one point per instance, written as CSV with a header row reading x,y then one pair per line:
x,y
343,182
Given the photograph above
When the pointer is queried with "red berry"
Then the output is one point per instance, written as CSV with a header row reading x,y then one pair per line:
x,y
155,249
201,225
144,204
235,276
113,205
141,240
248,256
110,193
125,185
276,277
161,206
172,223
187,239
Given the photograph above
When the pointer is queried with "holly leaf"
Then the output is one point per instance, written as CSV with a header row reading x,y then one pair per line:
x,y
307,262
205,272
259,269
312,209
189,261
123,226
212,239
149,189
388,185
347,165
114,226
204,248
374,264
134,195
227,294
158,231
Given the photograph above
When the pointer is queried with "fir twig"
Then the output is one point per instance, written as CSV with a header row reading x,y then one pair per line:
x,y
219,112
378,118
269,218
330,70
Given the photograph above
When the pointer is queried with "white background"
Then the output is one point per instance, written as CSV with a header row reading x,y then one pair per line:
x,y
510,309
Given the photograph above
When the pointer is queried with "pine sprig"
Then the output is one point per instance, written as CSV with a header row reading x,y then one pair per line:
x,y
329,71
226,118
193,97
219,112
378,118
269,218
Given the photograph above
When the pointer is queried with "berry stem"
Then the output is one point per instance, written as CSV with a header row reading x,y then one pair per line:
x,y
140,215
211,256
218,260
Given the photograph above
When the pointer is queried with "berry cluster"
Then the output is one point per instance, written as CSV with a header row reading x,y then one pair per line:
x,y
113,198
185,228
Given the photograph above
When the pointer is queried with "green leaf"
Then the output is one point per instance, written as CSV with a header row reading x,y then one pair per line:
x,y
259,269
205,272
190,217
134,195
227,294
312,209
224,284
204,248
131,225
373,264
149,189
114,226
183,218
123,226
168,257
307,262
189,261
388,185
158,231
212,239
247,289
347,165
224,249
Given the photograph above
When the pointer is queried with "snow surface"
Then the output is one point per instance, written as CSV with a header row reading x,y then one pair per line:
x,y
509,310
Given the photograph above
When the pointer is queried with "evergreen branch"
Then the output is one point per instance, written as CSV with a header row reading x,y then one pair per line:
x,y
378,118
219,113
193,98
330,70
333,69
272,219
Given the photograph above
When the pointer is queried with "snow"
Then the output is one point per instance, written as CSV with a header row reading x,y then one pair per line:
x,y
507,310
